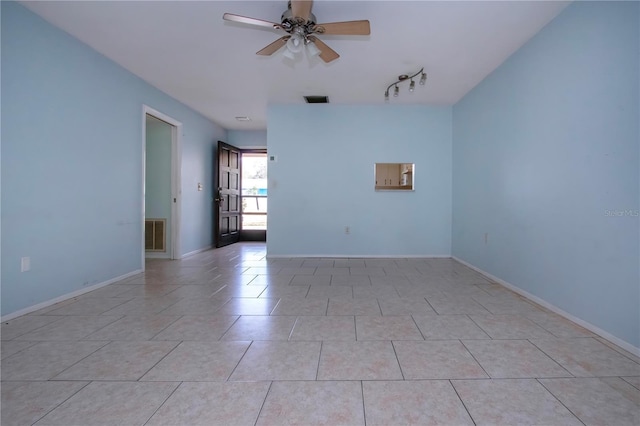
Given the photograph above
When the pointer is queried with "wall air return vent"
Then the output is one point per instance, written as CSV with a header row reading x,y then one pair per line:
x,y
155,234
317,99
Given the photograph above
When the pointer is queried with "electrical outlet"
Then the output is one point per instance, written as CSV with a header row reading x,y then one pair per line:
x,y
486,238
347,229
25,264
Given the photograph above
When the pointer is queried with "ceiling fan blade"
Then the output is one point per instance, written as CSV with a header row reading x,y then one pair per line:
x,y
344,28
252,21
327,54
301,9
273,47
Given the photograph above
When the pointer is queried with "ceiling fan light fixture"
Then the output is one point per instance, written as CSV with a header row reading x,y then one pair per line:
x,y
402,78
312,49
289,54
295,44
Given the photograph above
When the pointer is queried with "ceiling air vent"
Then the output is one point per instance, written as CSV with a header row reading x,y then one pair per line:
x,y
317,99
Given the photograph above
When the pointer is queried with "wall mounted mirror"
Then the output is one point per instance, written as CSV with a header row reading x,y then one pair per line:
x,y
394,176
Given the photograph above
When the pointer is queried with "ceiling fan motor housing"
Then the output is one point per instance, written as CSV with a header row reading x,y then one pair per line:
x,y
289,22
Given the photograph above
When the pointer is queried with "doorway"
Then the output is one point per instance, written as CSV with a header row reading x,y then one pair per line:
x,y
241,195
254,195
161,183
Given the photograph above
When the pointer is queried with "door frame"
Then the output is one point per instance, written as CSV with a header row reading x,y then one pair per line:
x,y
176,179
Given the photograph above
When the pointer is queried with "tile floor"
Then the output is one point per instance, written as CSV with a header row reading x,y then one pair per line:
x,y
228,337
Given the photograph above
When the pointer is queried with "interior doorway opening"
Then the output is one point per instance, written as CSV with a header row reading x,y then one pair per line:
x,y
254,195
161,170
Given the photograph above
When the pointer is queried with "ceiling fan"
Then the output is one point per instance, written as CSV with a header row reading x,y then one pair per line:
x,y
301,26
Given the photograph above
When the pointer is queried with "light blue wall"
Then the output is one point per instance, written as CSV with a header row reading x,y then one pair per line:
x,y
72,164
542,149
247,138
157,168
323,180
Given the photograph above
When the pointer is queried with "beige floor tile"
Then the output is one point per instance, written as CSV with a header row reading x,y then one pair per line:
x,y
147,305
415,402
331,271
118,361
441,359
389,280
25,324
358,361
339,306
557,325
10,347
587,357
635,381
89,306
297,271
24,403
318,263
459,305
405,306
287,291
133,327
349,263
198,361
513,359
197,327
435,327
376,291
278,361
193,291
242,290
111,403
387,328
374,270
342,329
73,327
248,306
313,403
44,360
323,328
291,306
263,270
228,403
201,306
595,402
258,327
510,327
311,280
330,291
511,402
267,280
353,280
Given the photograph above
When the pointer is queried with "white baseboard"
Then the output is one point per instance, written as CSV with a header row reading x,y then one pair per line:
x,y
359,256
67,296
594,329
191,253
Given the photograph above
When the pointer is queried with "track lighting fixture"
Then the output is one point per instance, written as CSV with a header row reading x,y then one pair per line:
x,y
405,77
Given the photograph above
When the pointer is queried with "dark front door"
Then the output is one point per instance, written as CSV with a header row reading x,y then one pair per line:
x,y
228,195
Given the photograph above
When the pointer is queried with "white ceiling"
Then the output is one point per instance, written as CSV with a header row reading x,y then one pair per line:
x,y
185,49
